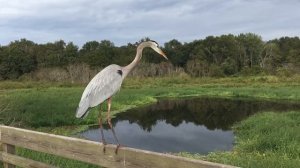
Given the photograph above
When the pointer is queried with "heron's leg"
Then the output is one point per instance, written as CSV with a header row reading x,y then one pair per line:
x,y
101,128
110,125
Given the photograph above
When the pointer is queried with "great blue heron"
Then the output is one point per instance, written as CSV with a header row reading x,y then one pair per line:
x,y
106,83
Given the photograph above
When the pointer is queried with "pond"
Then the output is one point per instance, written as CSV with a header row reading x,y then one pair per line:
x,y
196,125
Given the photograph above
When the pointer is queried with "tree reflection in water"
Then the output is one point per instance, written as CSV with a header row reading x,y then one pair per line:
x,y
213,113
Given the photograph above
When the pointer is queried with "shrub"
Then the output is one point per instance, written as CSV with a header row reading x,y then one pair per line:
x,y
285,72
255,70
215,71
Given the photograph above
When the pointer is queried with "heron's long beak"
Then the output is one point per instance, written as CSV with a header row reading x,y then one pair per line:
x,y
162,53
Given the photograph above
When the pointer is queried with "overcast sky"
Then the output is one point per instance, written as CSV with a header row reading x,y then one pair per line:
x,y
123,21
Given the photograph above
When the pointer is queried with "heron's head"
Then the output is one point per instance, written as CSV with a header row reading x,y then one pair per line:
x,y
155,47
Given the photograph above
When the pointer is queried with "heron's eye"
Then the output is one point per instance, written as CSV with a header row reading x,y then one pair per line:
x,y
120,72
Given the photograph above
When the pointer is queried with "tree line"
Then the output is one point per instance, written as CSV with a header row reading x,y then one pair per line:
x,y
225,55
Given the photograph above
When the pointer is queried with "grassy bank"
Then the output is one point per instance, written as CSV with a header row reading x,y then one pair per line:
x,y
178,81
263,140
55,106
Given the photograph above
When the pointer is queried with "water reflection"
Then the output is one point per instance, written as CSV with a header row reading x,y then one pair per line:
x,y
197,125
166,138
214,113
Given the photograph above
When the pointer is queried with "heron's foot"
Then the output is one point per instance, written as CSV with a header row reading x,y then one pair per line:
x,y
118,146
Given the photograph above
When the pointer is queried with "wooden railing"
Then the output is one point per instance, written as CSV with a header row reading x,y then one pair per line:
x,y
85,151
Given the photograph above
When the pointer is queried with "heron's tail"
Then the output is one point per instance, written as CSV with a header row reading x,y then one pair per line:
x,y
82,109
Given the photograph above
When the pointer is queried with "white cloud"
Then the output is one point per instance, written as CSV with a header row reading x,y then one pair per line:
x,y
128,21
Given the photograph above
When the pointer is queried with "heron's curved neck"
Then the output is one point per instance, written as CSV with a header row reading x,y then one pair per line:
x,y
136,60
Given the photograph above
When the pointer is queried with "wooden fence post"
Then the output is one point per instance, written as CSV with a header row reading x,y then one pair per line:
x,y
11,150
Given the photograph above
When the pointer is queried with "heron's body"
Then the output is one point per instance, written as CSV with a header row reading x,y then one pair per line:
x,y
103,86
107,83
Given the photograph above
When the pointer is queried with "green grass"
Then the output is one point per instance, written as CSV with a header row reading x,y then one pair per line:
x,y
178,81
263,140
46,106
56,106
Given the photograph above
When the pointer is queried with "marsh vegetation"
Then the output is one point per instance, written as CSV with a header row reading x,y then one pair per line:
x,y
263,140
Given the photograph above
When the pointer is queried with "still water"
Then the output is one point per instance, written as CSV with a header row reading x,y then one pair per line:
x,y
196,125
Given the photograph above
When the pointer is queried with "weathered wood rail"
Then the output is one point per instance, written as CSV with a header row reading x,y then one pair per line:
x,y
86,151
